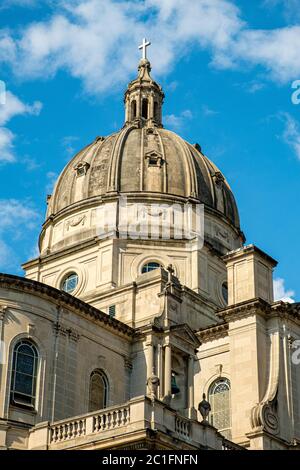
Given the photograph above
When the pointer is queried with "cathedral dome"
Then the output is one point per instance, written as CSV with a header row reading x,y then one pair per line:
x,y
145,160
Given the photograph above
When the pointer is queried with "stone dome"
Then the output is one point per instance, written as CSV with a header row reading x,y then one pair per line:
x,y
143,161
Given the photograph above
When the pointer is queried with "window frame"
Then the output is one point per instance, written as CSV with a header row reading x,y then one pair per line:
x,y
13,400
226,431
67,277
105,381
159,265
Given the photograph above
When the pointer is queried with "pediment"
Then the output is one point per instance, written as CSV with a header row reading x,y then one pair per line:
x,y
186,334
153,153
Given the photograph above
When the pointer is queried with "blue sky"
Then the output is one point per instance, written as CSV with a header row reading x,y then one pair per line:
x,y
227,69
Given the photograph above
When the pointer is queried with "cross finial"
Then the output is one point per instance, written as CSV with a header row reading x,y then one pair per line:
x,y
144,46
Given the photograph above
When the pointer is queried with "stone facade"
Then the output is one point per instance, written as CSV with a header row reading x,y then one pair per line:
x,y
204,321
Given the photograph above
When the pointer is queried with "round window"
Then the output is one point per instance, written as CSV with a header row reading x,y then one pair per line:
x,y
225,292
150,267
70,283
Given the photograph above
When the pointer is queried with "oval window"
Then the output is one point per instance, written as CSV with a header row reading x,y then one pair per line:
x,y
70,283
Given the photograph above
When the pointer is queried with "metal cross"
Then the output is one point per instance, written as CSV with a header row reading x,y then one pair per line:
x,y
144,46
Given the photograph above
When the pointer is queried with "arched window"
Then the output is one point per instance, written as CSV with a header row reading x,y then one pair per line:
x,y
133,109
155,111
145,108
219,398
70,283
24,373
150,267
225,292
98,391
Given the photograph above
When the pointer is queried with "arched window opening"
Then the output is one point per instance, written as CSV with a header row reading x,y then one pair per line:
x,y
145,108
150,267
24,374
219,398
133,109
98,391
225,292
155,111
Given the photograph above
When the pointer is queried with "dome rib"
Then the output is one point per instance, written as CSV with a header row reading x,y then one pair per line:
x,y
113,180
120,163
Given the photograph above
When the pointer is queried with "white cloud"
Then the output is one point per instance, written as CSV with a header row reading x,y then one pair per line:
x,y
15,213
276,50
96,40
291,133
6,255
207,111
6,146
68,145
280,292
17,218
172,85
12,107
30,163
178,121
51,177
254,86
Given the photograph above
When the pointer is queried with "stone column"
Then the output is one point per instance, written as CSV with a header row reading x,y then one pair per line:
x,y
190,382
138,105
127,110
149,358
192,413
168,369
160,369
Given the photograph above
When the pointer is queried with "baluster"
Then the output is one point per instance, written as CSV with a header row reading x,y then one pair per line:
x,y
70,430
114,419
95,423
119,417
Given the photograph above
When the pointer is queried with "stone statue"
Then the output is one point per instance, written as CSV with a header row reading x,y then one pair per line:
x,y
204,408
152,386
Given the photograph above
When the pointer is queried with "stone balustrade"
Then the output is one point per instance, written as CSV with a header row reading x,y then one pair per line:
x,y
67,430
130,424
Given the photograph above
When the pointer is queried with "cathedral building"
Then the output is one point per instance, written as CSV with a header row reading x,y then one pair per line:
x,y
146,322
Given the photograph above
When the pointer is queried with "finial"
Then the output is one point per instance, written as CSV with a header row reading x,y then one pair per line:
x,y
204,408
144,46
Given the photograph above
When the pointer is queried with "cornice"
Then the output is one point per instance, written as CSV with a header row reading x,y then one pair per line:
x,y
63,300
214,332
262,308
